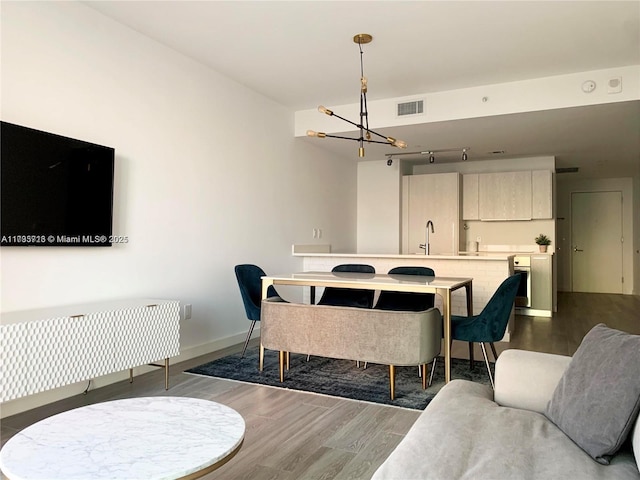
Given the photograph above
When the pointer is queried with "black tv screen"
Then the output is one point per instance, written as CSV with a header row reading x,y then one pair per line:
x,y
55,190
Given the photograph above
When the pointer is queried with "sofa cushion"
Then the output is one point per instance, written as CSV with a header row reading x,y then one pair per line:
x,y
526,379
597,399
464,435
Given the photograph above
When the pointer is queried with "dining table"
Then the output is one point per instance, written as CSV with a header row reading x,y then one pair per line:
x,y
442,286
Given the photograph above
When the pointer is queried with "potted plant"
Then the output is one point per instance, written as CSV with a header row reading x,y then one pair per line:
x,y
543,242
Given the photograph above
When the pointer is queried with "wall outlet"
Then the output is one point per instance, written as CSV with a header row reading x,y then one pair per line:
x,y
187,311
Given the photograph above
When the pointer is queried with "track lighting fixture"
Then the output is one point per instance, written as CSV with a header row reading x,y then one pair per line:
x,y
363,125
432,153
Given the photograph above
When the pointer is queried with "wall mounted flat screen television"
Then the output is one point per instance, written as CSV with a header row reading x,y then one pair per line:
x,y
55,190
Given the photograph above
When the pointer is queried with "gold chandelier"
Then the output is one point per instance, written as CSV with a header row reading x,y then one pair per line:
x,y
363,125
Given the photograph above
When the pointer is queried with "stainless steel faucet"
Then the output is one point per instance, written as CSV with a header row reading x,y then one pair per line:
x,y
426,245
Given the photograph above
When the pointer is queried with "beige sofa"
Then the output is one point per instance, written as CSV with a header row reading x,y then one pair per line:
x,y
467,433
367,335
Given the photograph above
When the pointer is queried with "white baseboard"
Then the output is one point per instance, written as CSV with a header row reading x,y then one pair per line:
x,y
29,402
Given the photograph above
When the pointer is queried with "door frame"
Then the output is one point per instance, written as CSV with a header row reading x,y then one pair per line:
x,y
565,184
571,232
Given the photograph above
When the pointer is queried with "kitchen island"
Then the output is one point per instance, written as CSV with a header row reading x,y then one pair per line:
x,y
487,271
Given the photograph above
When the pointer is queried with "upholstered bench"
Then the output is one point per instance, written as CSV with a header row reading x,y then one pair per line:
x,y
391,338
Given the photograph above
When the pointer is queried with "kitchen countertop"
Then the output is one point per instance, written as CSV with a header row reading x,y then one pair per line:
x,y
485,256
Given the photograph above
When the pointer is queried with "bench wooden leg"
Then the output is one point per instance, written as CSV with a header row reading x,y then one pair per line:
x,y
281,356
392,381
423,369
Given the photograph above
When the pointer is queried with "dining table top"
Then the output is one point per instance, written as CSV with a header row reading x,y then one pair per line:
x,y
379,281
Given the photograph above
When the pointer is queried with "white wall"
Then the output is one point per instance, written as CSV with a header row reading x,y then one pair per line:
x,y
208,173
379,207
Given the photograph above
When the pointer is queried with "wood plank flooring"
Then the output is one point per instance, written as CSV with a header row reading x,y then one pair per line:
x,y
294,435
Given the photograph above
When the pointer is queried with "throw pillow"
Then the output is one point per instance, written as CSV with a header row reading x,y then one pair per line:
x,y
597,399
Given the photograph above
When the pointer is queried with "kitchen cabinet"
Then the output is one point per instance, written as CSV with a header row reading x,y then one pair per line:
x,y
541,282
433,197
470,197
542,194
504,195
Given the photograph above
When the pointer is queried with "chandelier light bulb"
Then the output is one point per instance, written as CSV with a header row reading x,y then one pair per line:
x,y
312,133
325,110
397,143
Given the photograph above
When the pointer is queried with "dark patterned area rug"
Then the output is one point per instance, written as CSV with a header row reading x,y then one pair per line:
x,y
341,378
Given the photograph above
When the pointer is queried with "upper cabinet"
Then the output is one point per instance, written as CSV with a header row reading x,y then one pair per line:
x,y
522,195
470,197
434,197
505,196
542,194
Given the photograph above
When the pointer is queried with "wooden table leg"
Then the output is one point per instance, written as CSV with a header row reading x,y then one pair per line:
x,y
469,300
446,320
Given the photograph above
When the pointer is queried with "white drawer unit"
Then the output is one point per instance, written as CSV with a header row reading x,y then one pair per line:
x,y
52,347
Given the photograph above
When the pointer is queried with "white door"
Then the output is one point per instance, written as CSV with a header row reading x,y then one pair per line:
x,y
596,238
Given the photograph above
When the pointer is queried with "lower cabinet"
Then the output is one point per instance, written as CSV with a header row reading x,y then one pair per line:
x,y
541,282
50,348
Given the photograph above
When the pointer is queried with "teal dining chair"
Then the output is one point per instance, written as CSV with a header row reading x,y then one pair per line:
x,y
408,301
489,326
250,283
349,297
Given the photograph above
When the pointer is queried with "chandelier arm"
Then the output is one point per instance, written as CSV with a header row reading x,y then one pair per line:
x,y
343,138
359,139
364,128
382,143
376,133
347,120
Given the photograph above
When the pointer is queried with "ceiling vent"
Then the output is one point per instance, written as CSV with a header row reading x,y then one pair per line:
x,y
567,170
411,108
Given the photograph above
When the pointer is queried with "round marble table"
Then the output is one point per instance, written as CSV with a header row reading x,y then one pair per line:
x,y
136,438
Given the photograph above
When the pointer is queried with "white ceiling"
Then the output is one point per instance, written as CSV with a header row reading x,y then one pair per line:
x,y
300,53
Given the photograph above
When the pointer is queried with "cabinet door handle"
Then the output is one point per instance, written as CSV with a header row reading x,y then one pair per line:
x,y
576,249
